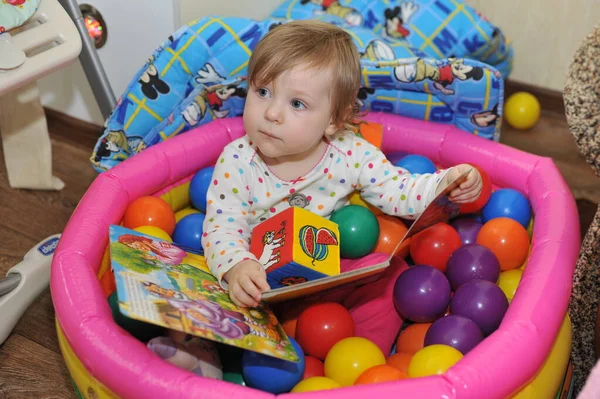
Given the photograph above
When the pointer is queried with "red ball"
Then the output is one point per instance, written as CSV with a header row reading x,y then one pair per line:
x,y
434,245
484,197
321,326
150,211
313,368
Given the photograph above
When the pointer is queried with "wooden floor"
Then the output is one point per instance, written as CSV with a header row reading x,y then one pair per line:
x,y
30,362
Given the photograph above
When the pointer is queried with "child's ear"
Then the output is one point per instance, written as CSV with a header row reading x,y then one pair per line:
x,y
331,129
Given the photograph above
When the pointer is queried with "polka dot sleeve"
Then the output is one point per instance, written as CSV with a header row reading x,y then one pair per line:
x,y
392,189
226,237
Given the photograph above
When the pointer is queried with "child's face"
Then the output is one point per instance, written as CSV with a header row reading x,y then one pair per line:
x,y
287,118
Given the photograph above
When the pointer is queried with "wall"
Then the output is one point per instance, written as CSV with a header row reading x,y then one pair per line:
x,y
545,34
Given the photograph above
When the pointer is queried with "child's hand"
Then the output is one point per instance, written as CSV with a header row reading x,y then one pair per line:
x,y
247,280
467,191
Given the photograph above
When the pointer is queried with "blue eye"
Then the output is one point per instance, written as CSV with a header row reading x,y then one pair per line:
x,y
297,104
262,92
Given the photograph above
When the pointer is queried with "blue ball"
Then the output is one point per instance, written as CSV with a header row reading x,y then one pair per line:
x,y
271,374
416,164
395,156
188,231
199,187
509,203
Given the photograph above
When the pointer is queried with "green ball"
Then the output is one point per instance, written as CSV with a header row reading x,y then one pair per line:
x,y
139,329
359,230
234,377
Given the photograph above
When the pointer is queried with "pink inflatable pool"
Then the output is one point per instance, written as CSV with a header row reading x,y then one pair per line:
x,y
501,365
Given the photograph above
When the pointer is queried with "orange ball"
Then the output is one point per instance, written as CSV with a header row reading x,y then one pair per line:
x,y
412,338
289,326
400,360
391,231
380,373
313,368
150,211
434,245
507,239
483,198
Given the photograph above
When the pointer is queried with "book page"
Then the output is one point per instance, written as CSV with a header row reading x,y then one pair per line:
x,y
159,283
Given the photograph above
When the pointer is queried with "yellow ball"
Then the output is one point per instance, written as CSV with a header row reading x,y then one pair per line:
x,y
509,281
347,359
522,110
184,212
530,228
526,259
154,232
356,199
315,384
433,360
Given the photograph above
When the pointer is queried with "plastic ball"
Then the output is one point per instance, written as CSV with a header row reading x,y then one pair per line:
x,y
321,326
412,338
234,377
486,192
356,199
522,110
350,357
421,293
188,231
530,228
271,374
139,329
509,281
391,231
471,262
359,230
467,229
313,368
184,212
507,239
455,331
154,232
199,187
434,245
415,163
481,301
401,360
315,384
395,156
509,203
150,211
379,374
433,360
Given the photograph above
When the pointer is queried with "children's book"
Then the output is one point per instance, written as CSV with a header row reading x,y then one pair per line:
x,y
161,283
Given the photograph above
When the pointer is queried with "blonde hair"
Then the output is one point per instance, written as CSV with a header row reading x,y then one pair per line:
x,y
321,45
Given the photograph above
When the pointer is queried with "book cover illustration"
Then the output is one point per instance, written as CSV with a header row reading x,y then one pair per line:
x,y
160,283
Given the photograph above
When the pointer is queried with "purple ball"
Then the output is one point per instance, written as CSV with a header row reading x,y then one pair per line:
x,y
467,229
421,293
455,331
396,156
481,301
472,262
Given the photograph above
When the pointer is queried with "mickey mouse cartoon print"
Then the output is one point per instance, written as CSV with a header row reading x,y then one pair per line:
x,y
151,82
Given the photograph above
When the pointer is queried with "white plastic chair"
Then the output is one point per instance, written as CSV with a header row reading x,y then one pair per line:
x,y
48,41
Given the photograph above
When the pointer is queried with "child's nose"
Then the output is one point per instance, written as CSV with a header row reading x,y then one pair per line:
x,y
273,113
